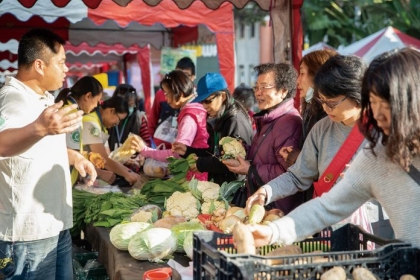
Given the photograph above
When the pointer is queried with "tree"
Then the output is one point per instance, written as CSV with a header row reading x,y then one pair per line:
x,y
343,22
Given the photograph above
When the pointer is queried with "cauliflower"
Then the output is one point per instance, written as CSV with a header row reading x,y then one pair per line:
x,y
209,190
232,148
209,206
142,216
183,204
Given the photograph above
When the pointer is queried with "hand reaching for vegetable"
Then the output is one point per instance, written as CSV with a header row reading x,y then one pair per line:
x,y
106,176
258,197
179,148
238,165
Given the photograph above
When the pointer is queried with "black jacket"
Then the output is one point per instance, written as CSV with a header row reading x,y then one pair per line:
x,y
234,123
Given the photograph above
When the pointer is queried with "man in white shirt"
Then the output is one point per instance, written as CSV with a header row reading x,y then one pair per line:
x,y
35,187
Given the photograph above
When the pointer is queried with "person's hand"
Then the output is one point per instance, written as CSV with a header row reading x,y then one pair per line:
x,y
132,178
285,151
238,165
137,144
179,148
256,198
54,120
262,234
107,176
85,167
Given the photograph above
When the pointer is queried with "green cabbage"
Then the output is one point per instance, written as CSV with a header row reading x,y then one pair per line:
x,y
180,230
188,244
154,244
121,234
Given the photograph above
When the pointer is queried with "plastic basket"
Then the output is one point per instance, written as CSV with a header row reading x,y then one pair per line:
x,y
94,273
215,257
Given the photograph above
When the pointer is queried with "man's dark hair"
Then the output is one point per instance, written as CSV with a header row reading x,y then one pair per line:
x,y
186,63
37,44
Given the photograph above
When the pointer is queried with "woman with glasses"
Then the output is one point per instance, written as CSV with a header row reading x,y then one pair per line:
x,y
338,82
95,137
135,122
86,93
190,122
225,117
384,170
311,110
278,125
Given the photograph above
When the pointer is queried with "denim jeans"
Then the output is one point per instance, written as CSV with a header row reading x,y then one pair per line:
x,y
45,259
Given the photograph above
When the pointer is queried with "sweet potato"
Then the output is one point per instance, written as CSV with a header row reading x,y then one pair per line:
x,y
408,277
362,273
335,273
243,239
283,251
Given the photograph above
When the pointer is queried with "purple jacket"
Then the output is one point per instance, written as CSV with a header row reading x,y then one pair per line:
x,y
285,125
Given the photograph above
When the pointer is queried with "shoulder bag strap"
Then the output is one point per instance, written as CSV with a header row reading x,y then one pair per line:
x,y
414,174
337,165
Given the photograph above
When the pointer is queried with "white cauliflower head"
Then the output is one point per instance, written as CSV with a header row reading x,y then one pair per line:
x,y
232,148
209,190
183,204
209,206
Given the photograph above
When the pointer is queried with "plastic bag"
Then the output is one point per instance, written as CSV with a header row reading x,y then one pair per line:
x,y
167,130
155,168
124,153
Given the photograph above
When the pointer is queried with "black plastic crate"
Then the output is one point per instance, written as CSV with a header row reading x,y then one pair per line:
x,y
215,256
81,273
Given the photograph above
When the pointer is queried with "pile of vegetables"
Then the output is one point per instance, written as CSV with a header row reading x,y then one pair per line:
x,y
178,167
157,190
112,208
81,200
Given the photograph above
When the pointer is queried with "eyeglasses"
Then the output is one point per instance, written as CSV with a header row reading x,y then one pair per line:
x,y
330,104
118,116
208,101
262,88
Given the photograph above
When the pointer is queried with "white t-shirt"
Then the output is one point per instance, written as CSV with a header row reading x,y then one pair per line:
x,y
35,186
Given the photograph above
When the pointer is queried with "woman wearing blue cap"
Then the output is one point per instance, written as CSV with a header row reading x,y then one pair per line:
x,y
225,117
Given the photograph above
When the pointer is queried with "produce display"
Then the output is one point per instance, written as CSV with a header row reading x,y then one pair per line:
x,y
154,222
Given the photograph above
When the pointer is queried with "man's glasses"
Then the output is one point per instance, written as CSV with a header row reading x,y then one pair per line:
x,y
208,101
330,104
262,88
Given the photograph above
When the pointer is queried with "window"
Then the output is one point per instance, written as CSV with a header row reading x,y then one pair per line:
x,y
241,30
241,74
252,30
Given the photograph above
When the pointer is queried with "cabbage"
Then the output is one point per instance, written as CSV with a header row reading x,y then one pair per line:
x,y
121,234
180,230
153,244
188,244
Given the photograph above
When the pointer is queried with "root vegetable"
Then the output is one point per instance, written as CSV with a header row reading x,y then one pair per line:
x,y
283,251
277,212
362,273
226,225
336,273
243,239
256,214
407,277
270,218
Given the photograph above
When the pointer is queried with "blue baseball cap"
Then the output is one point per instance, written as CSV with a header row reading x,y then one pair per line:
x,y
208,84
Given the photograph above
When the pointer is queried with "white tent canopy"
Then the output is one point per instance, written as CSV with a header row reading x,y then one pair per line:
x,y
387,39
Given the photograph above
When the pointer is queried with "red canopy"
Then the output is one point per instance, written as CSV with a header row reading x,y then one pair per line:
x,y
110,23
